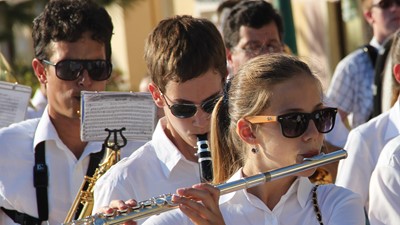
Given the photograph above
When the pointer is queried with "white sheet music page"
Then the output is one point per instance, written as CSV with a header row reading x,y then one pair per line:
x,y
14,99
134,111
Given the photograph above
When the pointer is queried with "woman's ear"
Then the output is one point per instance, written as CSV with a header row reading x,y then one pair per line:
x,y
396,72
156,94
245,131
228,55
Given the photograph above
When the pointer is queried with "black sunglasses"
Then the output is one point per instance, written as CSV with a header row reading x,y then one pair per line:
x,y
98,70
187,110
295,124
385,4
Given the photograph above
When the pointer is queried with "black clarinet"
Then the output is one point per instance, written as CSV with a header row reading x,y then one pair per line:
x,y
205,162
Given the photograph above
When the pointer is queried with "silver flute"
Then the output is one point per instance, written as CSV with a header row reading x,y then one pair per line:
x,y
163,203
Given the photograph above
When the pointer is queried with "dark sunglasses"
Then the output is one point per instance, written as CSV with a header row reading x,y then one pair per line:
x,y
187,110
385,4
98,70
295,124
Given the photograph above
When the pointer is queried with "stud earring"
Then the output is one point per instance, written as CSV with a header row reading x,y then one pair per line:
x,y
254,150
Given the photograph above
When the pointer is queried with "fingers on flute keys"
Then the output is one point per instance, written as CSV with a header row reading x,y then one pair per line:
x,y
200,204
121,206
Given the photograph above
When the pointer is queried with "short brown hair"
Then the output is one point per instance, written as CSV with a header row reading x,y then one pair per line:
x,y
182,48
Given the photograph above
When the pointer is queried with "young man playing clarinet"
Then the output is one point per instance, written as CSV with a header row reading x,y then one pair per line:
x,y
186,59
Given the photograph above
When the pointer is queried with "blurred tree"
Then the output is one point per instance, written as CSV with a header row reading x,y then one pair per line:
x,y
12,13
23,13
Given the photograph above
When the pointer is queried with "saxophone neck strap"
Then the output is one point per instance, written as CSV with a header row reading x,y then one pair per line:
x,y
40,181
21,218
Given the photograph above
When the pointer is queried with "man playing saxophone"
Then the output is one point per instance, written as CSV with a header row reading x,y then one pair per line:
x,y
43,161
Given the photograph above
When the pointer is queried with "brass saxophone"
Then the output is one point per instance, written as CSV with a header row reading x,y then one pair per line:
x,y
164,203
83,204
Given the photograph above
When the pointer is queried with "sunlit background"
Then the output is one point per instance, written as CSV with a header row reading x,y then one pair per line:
x,y
321,31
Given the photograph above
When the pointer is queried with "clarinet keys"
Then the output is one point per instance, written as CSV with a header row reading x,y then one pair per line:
x,y
204,159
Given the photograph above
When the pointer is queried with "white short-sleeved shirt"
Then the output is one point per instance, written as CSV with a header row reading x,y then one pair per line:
x,y
156,168
385,186
16,165
364,146
337,205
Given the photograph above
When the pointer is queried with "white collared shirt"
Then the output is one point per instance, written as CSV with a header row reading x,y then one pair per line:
x,y
364,146
337,205
16,169
156,168
385,186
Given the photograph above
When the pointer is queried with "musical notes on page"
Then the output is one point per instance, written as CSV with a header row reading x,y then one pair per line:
x,y
135,111
14,99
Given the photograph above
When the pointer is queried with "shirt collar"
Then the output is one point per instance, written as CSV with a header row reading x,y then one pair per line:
x,y
166,151
236,176
374,43
304,187
46,131
301,187
393,128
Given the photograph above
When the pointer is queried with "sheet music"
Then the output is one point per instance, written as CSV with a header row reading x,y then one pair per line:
x,y
135,111
14,99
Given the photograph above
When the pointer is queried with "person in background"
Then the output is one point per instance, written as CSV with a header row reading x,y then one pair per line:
x,y
223,11
351,88
251,28
365,143
43,160
272,116
186,59
385,178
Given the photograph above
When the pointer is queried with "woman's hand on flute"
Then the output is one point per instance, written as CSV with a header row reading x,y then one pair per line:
x,y
200,203
119,205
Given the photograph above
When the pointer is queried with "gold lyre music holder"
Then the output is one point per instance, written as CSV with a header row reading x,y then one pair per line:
x,y
114,145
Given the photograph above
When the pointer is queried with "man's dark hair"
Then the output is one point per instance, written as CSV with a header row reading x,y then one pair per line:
x,y
68,20
254,14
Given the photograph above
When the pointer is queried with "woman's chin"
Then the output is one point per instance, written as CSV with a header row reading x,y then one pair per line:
x,y
307,173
